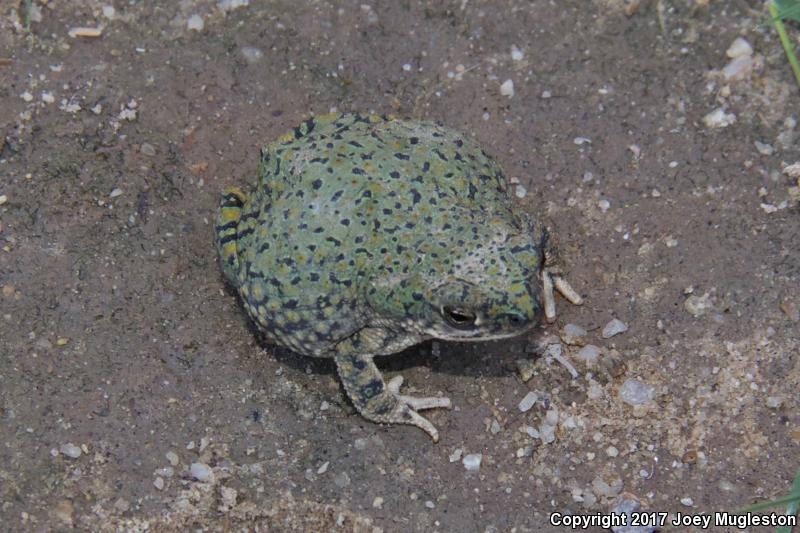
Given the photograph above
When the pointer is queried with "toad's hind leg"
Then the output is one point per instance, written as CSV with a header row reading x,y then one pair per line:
x,y
381,402
227,227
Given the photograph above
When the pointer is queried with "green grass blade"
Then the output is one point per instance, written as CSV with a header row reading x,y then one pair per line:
x,y
785,41
793,507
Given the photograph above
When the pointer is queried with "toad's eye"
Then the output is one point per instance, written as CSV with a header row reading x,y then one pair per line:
x,y
458,318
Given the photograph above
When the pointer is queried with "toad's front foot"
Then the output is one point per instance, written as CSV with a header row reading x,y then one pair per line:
x,y
382,402
551,279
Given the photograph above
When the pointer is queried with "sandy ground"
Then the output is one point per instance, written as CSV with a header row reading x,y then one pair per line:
x,y
124,359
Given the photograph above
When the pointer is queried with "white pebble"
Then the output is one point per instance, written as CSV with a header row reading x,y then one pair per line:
x,y
698,305
793,170
472,461
589,354
201,472
456,455
70,450
116,192
323,467
516,53
527,401
604,205
738,69
252,54
764,148
545,95
614,327
172,457
407,67
429,504
109,11
507,88
688,502
612,451
26,96
635,392
377,503
719,119
738,48
773,402
3,199
48,98
581,140
230,5
159,483
573,334
195,22
769,208
520,191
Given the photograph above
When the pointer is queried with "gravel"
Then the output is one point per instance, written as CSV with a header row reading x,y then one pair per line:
x,y
201,472
614,327
472,461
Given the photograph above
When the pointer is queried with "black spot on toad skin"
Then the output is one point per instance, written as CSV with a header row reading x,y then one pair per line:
x,y
402,157
371,389
394,174
336,195
472,190
426,166
344,222
319,229
335,241
387,211
357,171
459,143
313,276
356,144
317,184
413,140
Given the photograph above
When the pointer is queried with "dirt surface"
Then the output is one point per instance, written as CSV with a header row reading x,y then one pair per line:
x,y
125,359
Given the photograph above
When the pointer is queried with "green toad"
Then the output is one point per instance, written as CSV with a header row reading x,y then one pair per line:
x,y
367,234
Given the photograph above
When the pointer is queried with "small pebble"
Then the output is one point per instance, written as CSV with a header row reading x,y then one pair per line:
x,y
70,450
739,48
635,392
377,503
360,444
612,451
159,483
172,457
589,354
545,95
429,504
147,149
604,205
456,455
341,480
764,148
323,467
528,401
472,461
614,327
526,369
573,335
719,119
698,305
201,472
774,402
581,140
122,505
3,199
507,88
48,97
252,54
26,96
407,67
494,427
688,502
195,23
516,53
114,193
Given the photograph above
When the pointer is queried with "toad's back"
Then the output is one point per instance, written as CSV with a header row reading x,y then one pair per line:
x,y
339,197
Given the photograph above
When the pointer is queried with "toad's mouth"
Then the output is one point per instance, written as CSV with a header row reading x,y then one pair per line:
x,y
478,335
